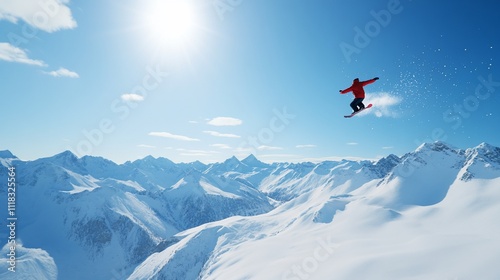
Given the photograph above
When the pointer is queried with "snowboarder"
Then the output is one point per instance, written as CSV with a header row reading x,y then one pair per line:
x,y
359,93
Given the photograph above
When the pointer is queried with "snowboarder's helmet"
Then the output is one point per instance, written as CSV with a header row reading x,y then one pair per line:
x,y
356,80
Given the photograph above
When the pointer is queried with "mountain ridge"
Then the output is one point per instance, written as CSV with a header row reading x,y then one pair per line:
x,y
94,207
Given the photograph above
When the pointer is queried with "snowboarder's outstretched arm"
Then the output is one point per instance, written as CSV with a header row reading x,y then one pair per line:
x,y
345,90
364,83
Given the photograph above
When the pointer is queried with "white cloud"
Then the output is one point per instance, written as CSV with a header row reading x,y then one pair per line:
x,y
352,143
225,121
383,104
221,146
49,16
63,72
244,150
173,136
217,134
132,97
305,146
268,148
11,53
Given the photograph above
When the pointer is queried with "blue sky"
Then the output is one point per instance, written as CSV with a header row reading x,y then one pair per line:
x,y
205,80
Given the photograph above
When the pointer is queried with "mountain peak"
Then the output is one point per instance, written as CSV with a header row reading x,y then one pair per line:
x,y
487,151
161,161
437,146
66,155
251,160
250,157
232,160
6,154
486,147
389,160
66,160
198,165
150,157
146,159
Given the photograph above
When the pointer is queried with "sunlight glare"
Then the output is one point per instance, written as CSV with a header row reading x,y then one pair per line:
x,y
171,23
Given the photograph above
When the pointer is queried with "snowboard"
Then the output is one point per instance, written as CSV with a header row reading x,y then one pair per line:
x,y
355,113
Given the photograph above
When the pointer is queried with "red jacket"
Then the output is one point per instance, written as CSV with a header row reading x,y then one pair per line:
x,y
357,88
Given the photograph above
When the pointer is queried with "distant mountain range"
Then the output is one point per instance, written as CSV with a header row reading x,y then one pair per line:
x,y
429,214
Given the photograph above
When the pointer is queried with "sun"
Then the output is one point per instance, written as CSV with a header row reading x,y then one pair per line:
x,y
170,23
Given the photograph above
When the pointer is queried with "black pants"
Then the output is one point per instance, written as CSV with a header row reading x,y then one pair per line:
x,y
357,104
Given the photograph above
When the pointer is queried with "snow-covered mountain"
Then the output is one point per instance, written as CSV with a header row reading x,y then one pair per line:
x,y
90,212
429,214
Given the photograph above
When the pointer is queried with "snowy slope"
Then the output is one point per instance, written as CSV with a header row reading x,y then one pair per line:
x,y
429,214
422,220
